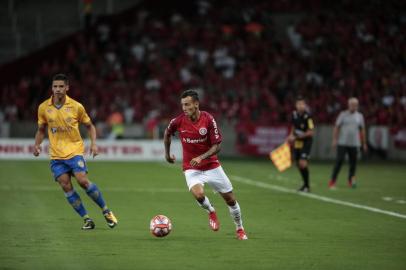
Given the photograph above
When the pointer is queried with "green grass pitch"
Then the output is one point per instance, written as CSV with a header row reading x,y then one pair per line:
x,y
39,230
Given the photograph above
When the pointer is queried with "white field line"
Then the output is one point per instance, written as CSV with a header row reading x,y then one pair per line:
x,y
284,179
314,196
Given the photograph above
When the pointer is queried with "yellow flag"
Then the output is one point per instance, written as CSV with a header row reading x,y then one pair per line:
x,y
281,157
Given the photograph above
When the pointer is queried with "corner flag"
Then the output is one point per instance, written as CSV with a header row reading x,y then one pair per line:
x,y
281,157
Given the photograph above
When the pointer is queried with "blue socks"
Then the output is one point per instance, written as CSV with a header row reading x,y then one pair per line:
x,y
74,200
94,193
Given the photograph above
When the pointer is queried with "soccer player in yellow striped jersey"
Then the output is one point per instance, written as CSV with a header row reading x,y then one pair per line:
x,y
61,115
301,135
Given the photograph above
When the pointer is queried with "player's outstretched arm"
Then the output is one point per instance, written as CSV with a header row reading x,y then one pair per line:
x,y
92,134
39,137
214,149
167,142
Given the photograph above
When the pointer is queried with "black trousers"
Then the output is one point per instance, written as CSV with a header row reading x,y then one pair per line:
x,y
352,157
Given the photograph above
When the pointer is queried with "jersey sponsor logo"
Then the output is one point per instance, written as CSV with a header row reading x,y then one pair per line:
x,y
189,140
203,131
60,129
69,119
49,111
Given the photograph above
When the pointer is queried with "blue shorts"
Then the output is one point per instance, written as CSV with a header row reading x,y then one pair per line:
x,y
71,166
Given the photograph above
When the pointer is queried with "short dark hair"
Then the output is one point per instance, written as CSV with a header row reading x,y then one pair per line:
x,y
190,93
61,77
300,98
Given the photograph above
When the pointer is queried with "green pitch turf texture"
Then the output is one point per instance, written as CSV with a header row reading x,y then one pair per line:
x,y
39,230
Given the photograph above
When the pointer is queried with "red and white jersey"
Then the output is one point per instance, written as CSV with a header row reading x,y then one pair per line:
x,y
197,138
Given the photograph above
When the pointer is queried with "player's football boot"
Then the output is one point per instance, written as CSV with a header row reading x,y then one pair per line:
x,y
110,218
213,221
304,189
89,224
241,234
352,183
332,185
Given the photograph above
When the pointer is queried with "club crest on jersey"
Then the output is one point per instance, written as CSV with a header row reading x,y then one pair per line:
x,y
81,163
203,131
54,130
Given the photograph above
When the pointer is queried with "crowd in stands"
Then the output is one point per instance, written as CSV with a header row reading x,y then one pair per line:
x,y
246,66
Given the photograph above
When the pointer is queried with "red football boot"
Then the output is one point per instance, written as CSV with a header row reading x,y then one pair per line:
x,y
213,221
241,234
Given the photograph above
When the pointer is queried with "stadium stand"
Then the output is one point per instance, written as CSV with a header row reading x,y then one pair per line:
x,y
249,61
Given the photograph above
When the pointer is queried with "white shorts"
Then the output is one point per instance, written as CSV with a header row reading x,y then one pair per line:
x,y
215,178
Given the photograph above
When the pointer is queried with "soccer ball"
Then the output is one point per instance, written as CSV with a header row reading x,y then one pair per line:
x,y
160,226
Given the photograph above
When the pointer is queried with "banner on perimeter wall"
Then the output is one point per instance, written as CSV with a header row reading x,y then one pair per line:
x,y
256,140
378,137
120,150
400,139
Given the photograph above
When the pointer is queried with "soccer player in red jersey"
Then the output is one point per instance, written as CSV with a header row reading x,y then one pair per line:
x,y
201,139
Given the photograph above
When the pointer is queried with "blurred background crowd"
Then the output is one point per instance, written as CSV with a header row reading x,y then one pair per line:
x,y
249,60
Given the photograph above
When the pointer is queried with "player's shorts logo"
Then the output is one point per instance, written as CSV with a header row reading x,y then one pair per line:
x,y
202,131
81,163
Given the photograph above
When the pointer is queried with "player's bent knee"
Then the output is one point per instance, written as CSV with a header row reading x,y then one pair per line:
x,y
83,181
64,181
199,196
65,185
66,188
229,198
198,192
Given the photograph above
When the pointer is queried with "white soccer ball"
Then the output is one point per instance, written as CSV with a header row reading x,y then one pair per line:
x,y
160,226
